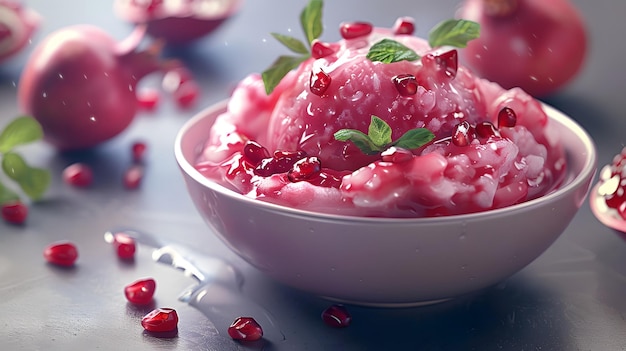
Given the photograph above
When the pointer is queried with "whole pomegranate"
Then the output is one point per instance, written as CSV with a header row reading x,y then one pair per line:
x,y
536,45
17,25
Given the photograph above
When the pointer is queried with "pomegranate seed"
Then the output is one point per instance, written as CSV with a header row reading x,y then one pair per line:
x,y
304,169
406,84
187,94
396,155
132,177
612,188
140,292
404,25
486,130
14,212
62,253
239,165
254,152
337,316
245,328
78,174
160,320
319,81
124,246
148,99
447,61
507,117
328,178
351,30
282,161
461,134
138,150
175,78
320,49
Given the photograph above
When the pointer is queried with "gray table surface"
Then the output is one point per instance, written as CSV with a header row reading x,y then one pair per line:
x,y
570,298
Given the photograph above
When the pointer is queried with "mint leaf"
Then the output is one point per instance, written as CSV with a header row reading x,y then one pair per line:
x,y
33,181
278,70
414,138
358,138
311,20
291,43
7,195
379,132
453,32
389,51
21,130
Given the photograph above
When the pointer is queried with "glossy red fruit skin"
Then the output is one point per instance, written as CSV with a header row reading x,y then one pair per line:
x,y
337,316
160,320
62,253
124,246
78,175
140,292
245,329
14,212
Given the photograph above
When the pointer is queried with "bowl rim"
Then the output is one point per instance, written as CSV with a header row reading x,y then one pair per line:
x,y
587,172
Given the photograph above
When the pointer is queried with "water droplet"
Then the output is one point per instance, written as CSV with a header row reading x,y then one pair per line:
x,y
463,267
332,269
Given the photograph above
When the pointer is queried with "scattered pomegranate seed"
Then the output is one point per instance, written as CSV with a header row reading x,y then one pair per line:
x,y
351,30
245,328
186,94
404,25
486,129
138,150
175,78
78,174
328,178
62,253
255,152
160,320
461,134
320,49
14,212
337,316
304,169
148,99
124,246
507,117
133,176
319,81
446,61
612,178
406,84
141,291
396,155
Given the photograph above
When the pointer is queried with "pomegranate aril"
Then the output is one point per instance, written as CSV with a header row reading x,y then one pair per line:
x,y
160,320
186,94
337,316
14,212
396,155
140,292
124,246
486,130
319,81
446,61
78,174
320,49
138,150
507,118
406,84
132,177
304,169
62,253
404,25
148,99
327,178
461,134
175,78
255,152
246,329
351,30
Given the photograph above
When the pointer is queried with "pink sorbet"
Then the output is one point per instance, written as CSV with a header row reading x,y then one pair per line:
x,y
281,147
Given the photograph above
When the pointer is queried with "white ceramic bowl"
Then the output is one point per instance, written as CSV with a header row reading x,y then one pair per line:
x,y
383,261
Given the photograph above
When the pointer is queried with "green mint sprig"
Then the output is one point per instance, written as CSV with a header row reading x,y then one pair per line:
x,y
33,181
311,22
452,32
378,137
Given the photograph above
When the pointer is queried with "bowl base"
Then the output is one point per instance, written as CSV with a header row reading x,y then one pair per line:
x,y
387,304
